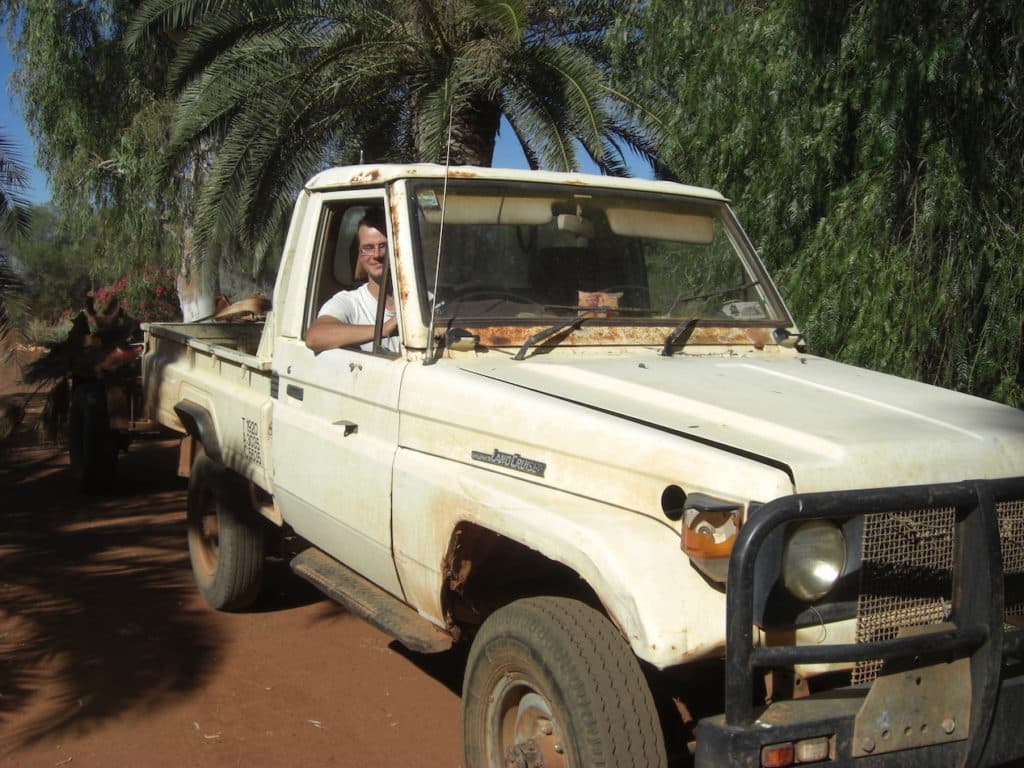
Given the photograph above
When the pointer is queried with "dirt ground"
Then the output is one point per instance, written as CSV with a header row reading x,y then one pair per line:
x,y
109,657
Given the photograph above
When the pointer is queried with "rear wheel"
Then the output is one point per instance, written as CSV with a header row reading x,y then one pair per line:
x,y
225,539
550,682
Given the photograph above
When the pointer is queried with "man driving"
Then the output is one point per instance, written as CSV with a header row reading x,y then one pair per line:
x,y
347,318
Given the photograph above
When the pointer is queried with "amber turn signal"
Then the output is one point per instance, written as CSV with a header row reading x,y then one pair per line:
x,y
710,527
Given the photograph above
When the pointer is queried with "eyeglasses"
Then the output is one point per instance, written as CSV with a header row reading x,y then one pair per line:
x,y
369,249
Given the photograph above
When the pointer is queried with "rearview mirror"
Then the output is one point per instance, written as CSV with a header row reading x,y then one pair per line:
x,y
576,224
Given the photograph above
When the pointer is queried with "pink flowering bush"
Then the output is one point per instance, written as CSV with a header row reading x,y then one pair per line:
x,y
148,295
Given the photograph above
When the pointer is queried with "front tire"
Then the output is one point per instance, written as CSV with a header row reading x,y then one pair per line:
x,y
551,682
225,539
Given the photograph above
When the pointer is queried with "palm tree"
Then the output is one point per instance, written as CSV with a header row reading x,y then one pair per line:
x,y
14,221
274,90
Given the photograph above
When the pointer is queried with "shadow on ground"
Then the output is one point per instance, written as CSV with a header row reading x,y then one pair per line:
x,y
95,593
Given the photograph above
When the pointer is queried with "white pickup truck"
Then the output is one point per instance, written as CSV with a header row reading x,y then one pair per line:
x,y
603,459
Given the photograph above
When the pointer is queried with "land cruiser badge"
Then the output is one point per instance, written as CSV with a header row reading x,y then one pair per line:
x,y
511,461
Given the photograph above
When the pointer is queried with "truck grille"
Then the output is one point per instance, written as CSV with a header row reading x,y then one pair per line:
x,y
906,572
1011,541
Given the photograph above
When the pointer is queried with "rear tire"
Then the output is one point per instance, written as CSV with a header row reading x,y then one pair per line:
x,y
225,538
550,681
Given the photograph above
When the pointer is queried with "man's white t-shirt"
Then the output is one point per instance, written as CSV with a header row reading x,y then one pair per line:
x,y
358,307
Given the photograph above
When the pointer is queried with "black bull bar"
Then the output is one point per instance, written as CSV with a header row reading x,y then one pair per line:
x,y
972,650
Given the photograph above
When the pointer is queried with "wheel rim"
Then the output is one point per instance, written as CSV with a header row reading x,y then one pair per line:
x,y
523,731
207,536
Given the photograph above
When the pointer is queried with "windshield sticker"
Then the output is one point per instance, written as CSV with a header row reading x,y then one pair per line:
x,y
745,310
511,461
427,199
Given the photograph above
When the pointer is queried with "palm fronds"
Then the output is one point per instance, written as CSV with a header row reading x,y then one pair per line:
x,y
14,213
270,92
14,221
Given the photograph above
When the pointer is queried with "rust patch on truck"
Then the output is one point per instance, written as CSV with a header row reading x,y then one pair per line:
x,y
465,549
404,283
461,173
458,560
484,570
395,209
365,177
499,335
622,335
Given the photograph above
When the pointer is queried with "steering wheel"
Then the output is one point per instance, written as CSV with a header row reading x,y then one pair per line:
x,y
483,294
715,293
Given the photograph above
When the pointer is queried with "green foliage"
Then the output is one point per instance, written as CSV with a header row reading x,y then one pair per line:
x,y
875,154
14,222
42,333
272,91
14,214
11,287
54,270
53,267
99,119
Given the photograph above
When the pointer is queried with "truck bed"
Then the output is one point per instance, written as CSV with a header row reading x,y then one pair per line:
x,y
217,368
238,342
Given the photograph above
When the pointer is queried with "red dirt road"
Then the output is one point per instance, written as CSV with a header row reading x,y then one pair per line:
x,y
109,657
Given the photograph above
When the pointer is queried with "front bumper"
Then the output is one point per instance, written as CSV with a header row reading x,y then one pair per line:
x,y
949,694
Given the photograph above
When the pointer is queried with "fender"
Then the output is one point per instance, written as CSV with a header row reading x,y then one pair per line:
x,y
199,424
623,555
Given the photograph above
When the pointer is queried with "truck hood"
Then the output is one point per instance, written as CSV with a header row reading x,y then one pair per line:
x,y
832,426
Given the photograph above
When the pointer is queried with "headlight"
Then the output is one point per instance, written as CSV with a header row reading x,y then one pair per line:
x,y
813,559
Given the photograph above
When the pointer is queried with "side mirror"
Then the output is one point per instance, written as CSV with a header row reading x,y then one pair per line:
x,y
784,338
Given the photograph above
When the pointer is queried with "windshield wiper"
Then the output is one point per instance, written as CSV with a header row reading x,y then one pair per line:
x,y
680,335
715,292
572,322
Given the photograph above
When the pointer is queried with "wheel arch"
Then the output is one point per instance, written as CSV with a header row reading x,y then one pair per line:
x,y
632,573
199,424
630,560
200,427
483,571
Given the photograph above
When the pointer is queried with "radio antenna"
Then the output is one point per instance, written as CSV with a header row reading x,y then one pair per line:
x,y
430,359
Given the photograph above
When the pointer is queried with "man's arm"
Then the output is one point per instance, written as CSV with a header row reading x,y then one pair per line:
x,y
328,332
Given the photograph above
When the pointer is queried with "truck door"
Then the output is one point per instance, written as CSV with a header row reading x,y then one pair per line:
x,y
335,429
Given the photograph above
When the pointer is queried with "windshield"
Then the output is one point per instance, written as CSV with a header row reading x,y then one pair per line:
x,y
535,253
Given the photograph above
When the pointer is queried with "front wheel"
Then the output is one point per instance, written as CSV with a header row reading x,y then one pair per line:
x,y
225,539
550,682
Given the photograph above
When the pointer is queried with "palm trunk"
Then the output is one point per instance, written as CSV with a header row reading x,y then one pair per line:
x,y
196,283
198,274
474,132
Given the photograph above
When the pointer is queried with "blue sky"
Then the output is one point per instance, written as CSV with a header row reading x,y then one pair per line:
x,y
13,126
507,153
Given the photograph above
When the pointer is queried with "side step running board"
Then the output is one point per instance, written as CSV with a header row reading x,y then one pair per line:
x,y
369,601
